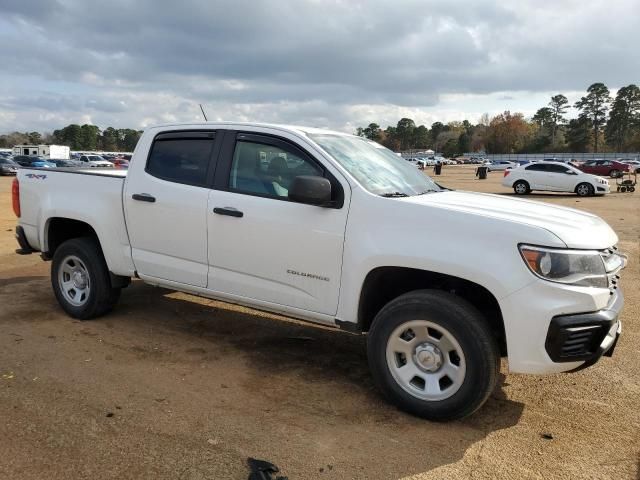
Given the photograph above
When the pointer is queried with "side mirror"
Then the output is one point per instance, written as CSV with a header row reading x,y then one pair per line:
x,y
312,190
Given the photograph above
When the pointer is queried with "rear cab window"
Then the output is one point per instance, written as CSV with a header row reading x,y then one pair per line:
x,y
181,157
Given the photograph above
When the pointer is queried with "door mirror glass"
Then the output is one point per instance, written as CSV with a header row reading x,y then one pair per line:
x,y
310,189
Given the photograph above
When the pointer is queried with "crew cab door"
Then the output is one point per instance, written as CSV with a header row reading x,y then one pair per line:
x,y
536,176
165,203
264,247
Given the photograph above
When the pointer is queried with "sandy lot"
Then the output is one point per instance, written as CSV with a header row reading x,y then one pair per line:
x,y
177,387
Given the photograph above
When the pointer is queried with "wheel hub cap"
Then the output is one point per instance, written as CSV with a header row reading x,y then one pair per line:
x,y
428,357
79,279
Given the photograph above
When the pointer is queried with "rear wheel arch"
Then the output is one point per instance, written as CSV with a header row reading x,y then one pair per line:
x,y
517,183
60,229
384,284
57,230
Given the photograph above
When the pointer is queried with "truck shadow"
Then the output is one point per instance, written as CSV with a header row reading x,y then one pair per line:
x,y
298,395
315,377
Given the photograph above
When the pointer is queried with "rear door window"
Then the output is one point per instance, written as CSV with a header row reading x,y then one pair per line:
x,y
182,157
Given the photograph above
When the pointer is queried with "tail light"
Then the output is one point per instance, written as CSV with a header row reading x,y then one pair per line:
x,y
506,172
15,197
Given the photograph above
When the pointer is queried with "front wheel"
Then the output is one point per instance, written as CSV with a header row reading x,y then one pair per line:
x,y
80,279
432,354
584,190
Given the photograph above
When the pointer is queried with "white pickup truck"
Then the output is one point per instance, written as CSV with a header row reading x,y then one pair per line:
x,y
337,230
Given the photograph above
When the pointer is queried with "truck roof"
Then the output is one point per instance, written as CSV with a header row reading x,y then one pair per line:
x,y
291,128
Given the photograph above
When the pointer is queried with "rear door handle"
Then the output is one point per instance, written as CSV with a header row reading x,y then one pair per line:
x,y
232,212
143,197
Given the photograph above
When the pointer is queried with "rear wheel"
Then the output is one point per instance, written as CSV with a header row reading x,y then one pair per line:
x,y
432,354
584,190
521,187
615,173
80,279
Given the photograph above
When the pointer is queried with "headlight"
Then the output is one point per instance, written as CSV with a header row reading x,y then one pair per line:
x,y
584,268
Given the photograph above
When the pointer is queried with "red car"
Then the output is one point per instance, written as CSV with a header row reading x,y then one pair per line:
x,y
120,162
604,168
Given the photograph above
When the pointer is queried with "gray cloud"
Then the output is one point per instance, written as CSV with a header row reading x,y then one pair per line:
x,y
317,59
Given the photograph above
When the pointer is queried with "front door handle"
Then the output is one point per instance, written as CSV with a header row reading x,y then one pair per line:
x,y
143,197
232,212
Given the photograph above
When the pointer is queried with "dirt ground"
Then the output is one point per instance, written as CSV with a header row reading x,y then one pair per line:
x,y
178,387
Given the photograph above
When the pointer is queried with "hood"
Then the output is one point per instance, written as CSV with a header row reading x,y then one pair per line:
x,y
577,229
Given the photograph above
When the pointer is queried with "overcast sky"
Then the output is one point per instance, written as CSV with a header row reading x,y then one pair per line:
x,y
337,64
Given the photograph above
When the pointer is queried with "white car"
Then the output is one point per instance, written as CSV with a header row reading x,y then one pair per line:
x,y
344,222
554,177
635,165
95,161
418,163
500,165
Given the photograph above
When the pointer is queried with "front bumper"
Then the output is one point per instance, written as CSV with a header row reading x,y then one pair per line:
x,y
528,315
585,337
602,188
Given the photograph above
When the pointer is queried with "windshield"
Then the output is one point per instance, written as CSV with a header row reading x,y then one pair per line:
x,y
7,161
377,168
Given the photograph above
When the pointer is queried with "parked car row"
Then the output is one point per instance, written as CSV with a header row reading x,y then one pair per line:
x,y
9,165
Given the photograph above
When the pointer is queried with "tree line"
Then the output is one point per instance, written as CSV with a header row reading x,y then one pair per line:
x,y
603,124
79,137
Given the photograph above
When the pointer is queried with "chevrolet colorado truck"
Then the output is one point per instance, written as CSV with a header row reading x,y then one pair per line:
x,y
335,229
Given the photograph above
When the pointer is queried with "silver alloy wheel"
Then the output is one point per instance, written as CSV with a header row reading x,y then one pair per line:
x,y
74,281
583,190
426,360
521,188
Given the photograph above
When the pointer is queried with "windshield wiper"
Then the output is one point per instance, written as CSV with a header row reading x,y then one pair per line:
x,y
432,191
393,194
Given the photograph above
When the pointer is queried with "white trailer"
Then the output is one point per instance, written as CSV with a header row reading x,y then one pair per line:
x,y
58,152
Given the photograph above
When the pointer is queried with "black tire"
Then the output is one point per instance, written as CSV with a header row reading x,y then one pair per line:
x,y
102,297
622,189
465,324
584,189
615,173
518,187
632,189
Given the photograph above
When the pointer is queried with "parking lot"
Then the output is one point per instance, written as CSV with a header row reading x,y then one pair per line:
x,y
175,386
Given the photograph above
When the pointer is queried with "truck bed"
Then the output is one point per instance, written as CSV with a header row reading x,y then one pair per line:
x,y
89,195
101,172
